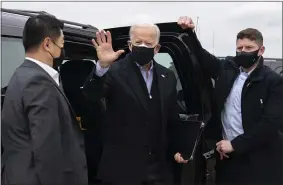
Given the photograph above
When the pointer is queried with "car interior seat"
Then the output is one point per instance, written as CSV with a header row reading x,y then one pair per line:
x,y
73,74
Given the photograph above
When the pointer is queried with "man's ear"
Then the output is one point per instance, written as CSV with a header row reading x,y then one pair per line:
x,y
157,48
130,45
261,51
46,44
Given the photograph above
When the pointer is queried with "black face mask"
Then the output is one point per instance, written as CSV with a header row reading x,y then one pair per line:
x,y
142,55
246,59
58,60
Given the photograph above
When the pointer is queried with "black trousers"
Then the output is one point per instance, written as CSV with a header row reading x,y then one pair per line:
x,y
232,171
153,171
154,176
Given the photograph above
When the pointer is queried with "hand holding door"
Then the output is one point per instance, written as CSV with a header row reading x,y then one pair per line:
x,y
179,159
186,23
103,45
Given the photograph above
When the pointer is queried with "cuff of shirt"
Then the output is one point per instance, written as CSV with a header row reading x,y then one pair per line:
x,y
99,70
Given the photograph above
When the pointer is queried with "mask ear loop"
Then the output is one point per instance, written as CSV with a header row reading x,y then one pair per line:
x,y
51,55
259,57
56,44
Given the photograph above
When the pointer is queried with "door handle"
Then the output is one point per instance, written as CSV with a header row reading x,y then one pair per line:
x,y
189,117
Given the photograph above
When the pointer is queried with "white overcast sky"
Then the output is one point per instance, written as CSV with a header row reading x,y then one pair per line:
x,y
225,19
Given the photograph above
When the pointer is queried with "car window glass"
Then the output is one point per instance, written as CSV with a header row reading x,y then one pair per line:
x,y
166,60
12,57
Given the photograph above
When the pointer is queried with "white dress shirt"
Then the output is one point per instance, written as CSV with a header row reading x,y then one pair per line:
x,y
52,72
232,112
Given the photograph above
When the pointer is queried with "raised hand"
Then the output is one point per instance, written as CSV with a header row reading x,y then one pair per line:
x,y
103,45
186,23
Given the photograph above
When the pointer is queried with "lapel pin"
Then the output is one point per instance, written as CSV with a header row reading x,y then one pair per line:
x,y
163,76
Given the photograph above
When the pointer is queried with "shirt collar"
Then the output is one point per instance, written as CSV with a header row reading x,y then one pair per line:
x,y
52,72
142,68
248,73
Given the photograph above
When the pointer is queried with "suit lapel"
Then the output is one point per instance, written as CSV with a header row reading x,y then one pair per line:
x,y
162,83
60,88
255,76
133,81
34,65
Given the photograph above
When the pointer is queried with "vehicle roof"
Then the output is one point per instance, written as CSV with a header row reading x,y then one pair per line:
x,y
13,22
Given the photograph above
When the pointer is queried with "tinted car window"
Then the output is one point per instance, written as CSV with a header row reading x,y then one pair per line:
x,y
166,60
12,57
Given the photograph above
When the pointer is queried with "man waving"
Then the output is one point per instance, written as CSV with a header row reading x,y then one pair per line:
x,y
141,109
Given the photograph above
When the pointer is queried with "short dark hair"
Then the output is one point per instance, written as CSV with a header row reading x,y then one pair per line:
x,y
251,34
38,28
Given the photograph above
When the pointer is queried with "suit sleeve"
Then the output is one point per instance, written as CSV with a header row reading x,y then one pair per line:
x,y
173,120
270,124
97,87
210,64
41,107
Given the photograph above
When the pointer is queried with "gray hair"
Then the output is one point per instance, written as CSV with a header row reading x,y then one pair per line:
x,y
145,25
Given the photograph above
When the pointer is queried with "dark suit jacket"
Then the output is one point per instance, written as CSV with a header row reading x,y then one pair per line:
x,y
42,140
124,157
258,155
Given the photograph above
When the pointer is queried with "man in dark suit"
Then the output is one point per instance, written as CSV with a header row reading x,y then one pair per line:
x,y
43,143
141,109
249,98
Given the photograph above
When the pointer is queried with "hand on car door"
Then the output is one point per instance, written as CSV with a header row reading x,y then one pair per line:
x,y
179,159
186,23
103,45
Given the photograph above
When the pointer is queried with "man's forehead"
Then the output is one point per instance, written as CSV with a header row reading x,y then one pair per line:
x,y
245,42
144,33
150,30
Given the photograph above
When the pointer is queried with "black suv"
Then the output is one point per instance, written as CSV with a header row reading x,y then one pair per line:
x,y
194,89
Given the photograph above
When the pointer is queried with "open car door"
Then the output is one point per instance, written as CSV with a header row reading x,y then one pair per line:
x,y
194,96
